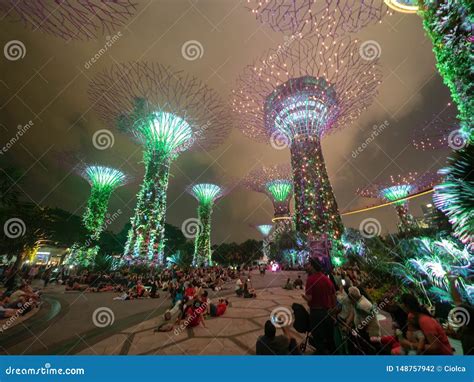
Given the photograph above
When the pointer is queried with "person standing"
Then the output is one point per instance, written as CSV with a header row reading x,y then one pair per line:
x,y
320,294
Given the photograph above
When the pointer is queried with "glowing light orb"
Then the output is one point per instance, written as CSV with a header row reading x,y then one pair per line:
x,y
403,6
280,189
275,267
104,176
169,132
302,106
206,193
396,192
264,229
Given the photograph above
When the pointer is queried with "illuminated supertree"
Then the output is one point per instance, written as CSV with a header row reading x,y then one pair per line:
x,y
79,19
167,112
103,181
276,182
455,196
315,87
396,189
440,132
206,194
317,16
265,230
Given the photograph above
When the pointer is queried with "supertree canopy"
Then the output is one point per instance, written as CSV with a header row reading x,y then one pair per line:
x,y
396,189
315,87
167,112
317,16
455,196
440,132
79,19
103,181
206,194
264,229
275,182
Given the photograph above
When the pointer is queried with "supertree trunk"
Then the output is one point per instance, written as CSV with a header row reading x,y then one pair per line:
x,y
316,208
97,206
146,238
406,220
202,246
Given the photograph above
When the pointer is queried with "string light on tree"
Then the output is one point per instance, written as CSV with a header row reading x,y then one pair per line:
x,y
326,17
206,194
276,182
167,113
400,187
317,86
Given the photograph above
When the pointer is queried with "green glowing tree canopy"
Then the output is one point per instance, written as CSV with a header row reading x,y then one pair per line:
x,y
280,189
206,193
396,192
104,177
264,229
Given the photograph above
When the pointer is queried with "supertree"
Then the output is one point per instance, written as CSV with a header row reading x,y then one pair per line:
x,y
103,181
206,194
276,182
265,230
396,189
79,19
167,112
455,196
317,16
314,88
440,132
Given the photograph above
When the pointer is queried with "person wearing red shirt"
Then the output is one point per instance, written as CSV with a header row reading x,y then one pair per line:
x,y
436,339
320,294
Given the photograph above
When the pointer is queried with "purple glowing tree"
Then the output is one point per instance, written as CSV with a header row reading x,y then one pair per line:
x,y
397,189
298,96
167,112
317,16
276,182
70,20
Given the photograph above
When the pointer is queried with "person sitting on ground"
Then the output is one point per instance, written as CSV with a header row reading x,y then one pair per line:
x,y
288,285
364,314
414,339
238,287
436,339
194,315
219,309
249,292
271,344
169,318
298,283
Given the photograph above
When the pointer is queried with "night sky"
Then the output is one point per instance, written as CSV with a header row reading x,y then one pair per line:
x,y
49,87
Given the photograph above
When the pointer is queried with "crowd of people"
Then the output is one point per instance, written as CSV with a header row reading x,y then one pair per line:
x,y
341,318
